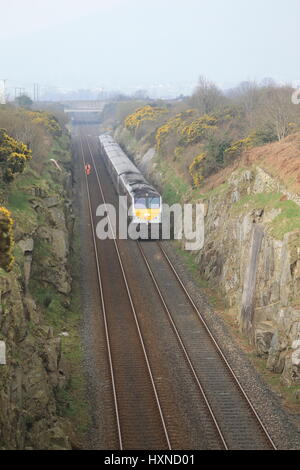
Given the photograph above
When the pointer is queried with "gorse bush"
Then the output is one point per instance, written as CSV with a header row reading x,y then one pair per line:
x,y
197,130
13,156
146,113
46,120
172,126
39,130
256,138
195,169
30,135
204,133
6,239
164,131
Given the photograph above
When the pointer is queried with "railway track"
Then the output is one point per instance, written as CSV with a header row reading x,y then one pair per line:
x,y
219,379
236,423
134,388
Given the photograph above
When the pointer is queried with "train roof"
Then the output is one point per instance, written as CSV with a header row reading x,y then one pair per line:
x,y
106,139
138,186
130,174
116,155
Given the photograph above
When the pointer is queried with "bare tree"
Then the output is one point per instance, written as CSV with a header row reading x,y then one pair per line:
x,y
278,109
246,95
207,96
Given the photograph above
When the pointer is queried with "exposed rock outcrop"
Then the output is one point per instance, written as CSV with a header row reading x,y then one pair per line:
x,y
29,378
32,374
259,273
256,267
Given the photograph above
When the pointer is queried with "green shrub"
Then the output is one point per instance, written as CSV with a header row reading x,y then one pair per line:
x,y
13,156
6,239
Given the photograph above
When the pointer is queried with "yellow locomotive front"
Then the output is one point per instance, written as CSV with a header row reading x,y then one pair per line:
x,y
147,209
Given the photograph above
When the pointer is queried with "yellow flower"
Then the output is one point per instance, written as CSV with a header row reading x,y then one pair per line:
x,y
146,113
6,239
195,169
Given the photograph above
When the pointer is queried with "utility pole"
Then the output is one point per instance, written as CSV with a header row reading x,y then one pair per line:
x,y
35,92
18,92
2,92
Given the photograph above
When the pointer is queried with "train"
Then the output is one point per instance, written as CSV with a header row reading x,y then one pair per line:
x,y
144,201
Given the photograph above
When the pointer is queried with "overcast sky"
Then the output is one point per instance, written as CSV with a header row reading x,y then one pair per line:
x,y
136,43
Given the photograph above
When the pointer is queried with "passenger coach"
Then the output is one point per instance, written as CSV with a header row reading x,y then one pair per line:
x,y
143,200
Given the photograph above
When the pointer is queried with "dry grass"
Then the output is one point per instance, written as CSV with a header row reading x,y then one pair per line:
x,y
280,159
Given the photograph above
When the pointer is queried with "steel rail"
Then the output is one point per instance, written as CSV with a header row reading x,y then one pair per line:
x,y
221,354
186,354
103,304
132,304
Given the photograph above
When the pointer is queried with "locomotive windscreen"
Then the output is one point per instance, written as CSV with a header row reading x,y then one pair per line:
x,y
147,203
